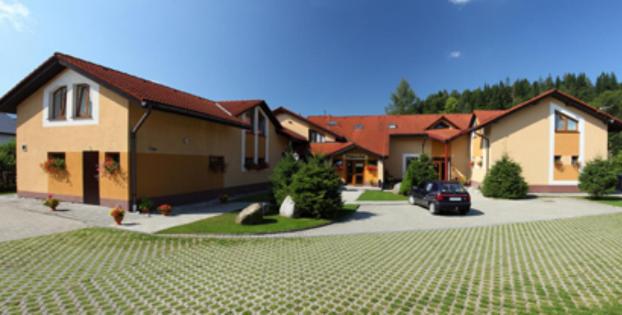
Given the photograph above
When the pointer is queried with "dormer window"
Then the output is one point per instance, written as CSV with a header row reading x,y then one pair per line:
x,y
358,126
392,126
332,123
564,123
83,105
316,137
59,104
441,125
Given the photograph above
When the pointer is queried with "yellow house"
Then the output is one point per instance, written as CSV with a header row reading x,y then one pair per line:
x,y
551,136
88,133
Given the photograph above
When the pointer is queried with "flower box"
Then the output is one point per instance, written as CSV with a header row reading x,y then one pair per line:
x,y
54,166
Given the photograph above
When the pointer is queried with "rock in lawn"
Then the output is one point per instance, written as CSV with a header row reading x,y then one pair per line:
x,y
253,214
396,188
288,208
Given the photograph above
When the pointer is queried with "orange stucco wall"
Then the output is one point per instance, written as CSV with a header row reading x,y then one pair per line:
x,y
174,154
34,141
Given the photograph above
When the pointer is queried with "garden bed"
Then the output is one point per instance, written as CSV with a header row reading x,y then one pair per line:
x,y
225,224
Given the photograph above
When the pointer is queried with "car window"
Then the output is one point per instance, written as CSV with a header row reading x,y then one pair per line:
x,y
429,187
452,188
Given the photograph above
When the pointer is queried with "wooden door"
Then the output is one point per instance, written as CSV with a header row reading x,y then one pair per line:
x,y
90,177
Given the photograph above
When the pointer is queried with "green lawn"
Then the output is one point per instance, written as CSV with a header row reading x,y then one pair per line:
x,y
557,266
610,200
225,224
378,195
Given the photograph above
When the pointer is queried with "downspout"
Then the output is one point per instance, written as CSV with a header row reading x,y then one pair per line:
x,y
133,159
446,175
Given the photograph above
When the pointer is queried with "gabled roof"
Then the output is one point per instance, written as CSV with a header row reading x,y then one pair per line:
x,y
612,122
145,92
483,116
374,132
283,110
7,124
236,108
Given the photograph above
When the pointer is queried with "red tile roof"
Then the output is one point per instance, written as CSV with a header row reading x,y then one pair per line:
x,y
372,132
148,91
238,107
483,116
330,148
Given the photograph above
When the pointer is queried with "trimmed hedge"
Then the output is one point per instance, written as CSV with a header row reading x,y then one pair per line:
x,y
505,180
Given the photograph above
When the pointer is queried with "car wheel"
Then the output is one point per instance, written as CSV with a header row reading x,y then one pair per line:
x,y
465,211
433,208
411,200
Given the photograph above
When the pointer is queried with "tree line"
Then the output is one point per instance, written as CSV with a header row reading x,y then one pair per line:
x,y
605,93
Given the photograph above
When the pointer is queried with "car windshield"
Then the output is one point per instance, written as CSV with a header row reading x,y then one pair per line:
x,y
452,188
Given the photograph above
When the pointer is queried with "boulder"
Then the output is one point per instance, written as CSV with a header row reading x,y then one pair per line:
x,y
253,214
288,208
396,188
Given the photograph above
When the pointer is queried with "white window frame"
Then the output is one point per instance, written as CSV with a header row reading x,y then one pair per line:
x,y
70,79
552,130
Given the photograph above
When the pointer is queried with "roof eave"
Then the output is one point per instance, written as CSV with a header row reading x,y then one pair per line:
x,y
190,113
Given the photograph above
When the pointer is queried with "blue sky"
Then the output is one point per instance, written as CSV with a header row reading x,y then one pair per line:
x,y
316,56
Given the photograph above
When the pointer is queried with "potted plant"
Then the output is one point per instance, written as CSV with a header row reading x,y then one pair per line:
x,y
224,198
372,168
117,213
145,205
111,167
54,166
51,202
165,209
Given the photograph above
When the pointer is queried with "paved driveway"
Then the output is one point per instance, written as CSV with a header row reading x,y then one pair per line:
x,y
400,216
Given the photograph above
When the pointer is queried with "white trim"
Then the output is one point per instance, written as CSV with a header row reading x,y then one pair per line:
x,y
70,79
552,109
255,128
404,156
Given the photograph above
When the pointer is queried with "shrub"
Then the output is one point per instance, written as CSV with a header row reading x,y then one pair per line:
x,y
316,189
599,177
282,176
504,180
7,166
419,170
145,205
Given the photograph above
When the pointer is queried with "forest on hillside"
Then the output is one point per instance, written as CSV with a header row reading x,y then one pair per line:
x,y
605,93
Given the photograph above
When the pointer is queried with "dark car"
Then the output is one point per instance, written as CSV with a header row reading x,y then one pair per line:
x,y
440,196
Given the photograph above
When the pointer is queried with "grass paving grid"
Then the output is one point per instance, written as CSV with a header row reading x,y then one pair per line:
x,y
559,266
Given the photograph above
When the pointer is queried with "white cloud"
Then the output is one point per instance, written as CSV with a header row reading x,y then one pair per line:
x,y
455,54
14,13
459,2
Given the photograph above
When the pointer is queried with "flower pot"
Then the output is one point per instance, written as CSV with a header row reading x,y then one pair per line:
x,y
118,219
144,210
165,212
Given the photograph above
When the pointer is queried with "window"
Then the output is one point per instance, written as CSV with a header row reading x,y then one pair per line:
x,y
358,126
564,123
250,118
82,101
558,160
59,104
315,137
441,125
392,126
575,160
217,163
332,123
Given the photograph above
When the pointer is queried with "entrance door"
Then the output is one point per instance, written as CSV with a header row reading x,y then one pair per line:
x,y
439,167
355,170
90,177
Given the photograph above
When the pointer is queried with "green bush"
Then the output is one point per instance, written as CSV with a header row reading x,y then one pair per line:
x,y
316,189
599,177
419,170
504,180
7,166
281,178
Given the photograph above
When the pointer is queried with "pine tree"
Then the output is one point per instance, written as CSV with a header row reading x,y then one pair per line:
x,y
403,100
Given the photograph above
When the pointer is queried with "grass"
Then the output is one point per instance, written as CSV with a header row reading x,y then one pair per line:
x,y
225,224
570,266
610,200
379,195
